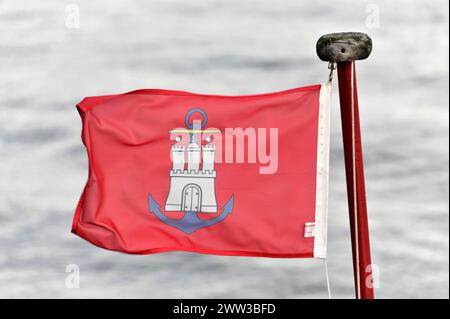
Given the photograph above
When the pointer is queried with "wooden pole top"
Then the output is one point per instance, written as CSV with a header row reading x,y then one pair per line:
x,y
344,47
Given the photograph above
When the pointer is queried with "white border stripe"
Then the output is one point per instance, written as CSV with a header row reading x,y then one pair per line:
x,y
323,160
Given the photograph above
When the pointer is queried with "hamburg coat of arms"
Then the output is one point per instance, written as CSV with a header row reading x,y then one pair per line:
x,y
192,178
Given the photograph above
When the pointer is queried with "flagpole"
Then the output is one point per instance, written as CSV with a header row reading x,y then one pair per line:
x,y
344,49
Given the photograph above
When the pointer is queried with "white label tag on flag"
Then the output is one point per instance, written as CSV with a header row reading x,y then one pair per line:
x,y
310,229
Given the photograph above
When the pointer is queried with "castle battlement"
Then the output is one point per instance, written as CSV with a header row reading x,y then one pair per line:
x,y
193,146
192,173
178,148
209,147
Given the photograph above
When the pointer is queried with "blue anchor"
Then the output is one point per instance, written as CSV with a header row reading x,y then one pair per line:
x,y
190,221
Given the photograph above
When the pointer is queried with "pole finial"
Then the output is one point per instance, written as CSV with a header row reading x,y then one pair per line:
x,y
344,47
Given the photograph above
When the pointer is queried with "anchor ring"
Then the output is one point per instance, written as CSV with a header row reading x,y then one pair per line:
x,y
192,111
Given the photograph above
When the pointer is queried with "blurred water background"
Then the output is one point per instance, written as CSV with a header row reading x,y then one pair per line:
x,y
228,47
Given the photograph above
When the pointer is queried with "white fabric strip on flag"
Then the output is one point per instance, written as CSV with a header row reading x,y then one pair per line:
x,y
323,159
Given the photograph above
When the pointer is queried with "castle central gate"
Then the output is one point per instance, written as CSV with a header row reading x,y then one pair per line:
x,y
192,196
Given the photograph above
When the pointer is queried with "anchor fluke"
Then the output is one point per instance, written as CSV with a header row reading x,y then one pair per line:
x,y
153,204
190,221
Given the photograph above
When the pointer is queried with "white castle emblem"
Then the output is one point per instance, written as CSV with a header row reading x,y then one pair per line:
x,y
192,184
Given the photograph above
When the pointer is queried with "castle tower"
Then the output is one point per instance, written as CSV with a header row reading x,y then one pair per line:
x,y
208,156
178,156
193,156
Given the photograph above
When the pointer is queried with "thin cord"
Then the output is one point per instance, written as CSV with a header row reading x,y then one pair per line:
x,y
328,278
331,67
355,202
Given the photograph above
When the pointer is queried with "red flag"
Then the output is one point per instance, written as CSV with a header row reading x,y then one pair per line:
x,y
228,175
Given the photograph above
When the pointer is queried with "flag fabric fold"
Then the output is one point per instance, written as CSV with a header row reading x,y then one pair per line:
x,y
228,175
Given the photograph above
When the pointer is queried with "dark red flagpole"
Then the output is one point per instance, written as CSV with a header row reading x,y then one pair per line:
x,y
344,49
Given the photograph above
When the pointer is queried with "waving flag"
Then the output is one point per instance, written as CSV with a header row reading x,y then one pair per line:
x,y
229,175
